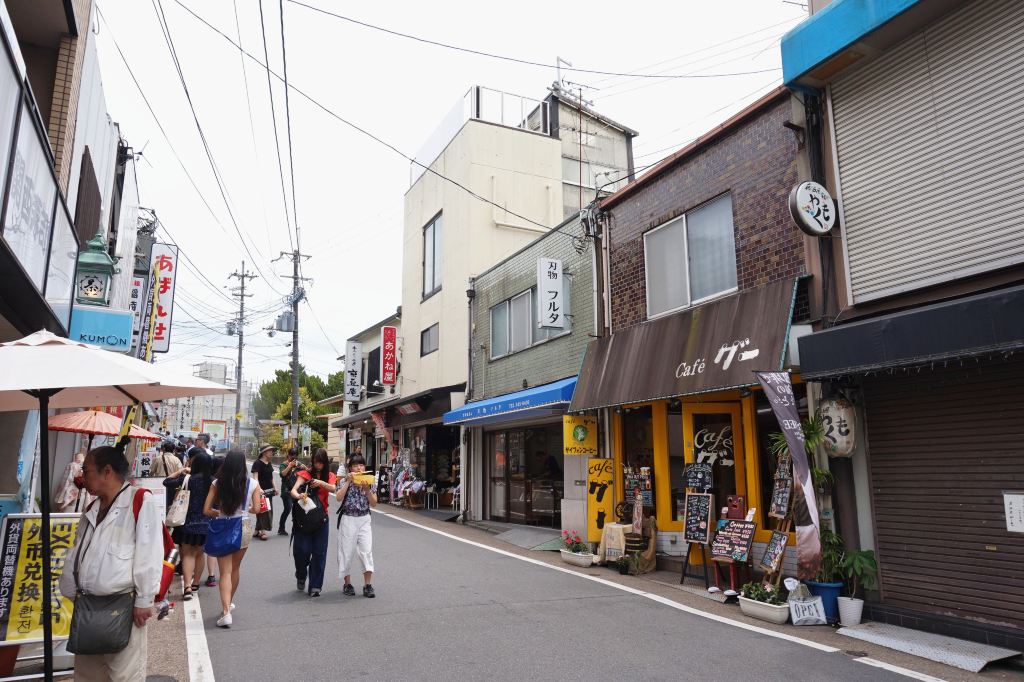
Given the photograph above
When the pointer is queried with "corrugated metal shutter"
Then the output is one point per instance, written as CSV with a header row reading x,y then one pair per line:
x,y
943,444
930,139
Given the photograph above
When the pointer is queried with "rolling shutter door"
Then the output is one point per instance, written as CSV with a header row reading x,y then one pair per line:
x,y
943,445
930,142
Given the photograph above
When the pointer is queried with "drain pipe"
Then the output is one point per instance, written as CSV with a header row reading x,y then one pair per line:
x,y
465,433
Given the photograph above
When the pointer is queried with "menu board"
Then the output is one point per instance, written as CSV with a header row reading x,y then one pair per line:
x,y
639,477
697,520
733,540
779,508
772,558
698,475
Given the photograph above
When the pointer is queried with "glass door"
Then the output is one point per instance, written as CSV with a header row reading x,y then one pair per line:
x,y
498,464
713,434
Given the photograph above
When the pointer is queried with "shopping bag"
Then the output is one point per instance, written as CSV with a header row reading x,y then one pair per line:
x,y
804,609
178,511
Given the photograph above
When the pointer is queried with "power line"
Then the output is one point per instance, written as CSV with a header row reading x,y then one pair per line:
x,y
273,117
517,60
322,330
288,121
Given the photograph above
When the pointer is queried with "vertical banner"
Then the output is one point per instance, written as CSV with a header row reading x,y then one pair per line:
x,y
779,391
550,294
388,355
164,258
353,371
137,305
600,497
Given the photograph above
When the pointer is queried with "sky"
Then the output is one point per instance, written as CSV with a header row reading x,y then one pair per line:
x,y
349,188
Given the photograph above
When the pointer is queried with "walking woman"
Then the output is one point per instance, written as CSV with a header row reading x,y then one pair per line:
x,y
191,536
233,495
355,535
310,545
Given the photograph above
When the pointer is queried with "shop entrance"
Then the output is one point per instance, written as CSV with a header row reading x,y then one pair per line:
x,y
712,434
525,476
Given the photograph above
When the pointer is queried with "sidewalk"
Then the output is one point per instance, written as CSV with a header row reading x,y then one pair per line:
x,y
664,585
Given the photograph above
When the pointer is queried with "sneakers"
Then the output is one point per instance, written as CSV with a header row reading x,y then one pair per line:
x,y
300,585
348,590
314,592
211,582
368,591
224,621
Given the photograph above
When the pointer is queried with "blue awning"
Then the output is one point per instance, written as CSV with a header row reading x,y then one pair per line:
x,y
555,393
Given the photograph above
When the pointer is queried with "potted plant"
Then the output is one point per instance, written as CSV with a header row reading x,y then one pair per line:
x,y
860,570
828,582
623,564
575,552
763,601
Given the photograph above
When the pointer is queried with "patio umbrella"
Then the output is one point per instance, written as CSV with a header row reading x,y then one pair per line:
x,y
96,423
44,370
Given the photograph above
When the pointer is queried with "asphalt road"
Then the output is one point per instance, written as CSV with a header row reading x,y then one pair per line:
x,y
452,611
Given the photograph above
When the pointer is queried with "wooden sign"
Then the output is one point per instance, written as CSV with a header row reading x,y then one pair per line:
x,y
698,475
733,541
772,558
779,507
600,497
698,517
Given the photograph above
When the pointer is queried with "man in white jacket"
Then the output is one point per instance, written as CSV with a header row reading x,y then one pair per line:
x,y
118,554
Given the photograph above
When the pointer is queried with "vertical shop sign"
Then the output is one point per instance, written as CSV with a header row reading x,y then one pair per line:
x,y
353,371
388,355
21,576
779,391
550,294
579,435
137,304
600,497
164,258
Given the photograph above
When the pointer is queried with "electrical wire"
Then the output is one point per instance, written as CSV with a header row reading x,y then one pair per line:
x,y
322,330
288,120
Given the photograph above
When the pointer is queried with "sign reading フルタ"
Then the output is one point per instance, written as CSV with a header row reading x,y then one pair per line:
x,y
388,355
600,496
21,576
579,435
353,371
550,294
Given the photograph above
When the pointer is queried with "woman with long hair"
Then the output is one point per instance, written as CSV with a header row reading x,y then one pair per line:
x,y
191,536
310,544
233,495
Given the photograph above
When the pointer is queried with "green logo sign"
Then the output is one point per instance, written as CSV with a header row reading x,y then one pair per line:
x,y
579,433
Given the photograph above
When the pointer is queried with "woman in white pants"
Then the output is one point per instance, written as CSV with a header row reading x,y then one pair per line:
x,y
355,535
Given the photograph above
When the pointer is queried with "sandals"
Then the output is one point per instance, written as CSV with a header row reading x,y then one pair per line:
x,y
187,595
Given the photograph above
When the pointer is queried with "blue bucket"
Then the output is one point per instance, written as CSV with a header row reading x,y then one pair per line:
x,y
829,593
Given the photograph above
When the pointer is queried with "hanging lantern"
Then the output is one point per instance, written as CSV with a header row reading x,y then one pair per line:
x,y
840,425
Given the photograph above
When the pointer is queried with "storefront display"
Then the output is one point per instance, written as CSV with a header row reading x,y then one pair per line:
x,y
525,477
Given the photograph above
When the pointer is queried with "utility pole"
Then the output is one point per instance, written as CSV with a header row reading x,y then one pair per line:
x,y
298,293
240,328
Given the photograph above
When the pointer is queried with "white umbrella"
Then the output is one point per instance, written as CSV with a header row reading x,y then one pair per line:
x,y
44,370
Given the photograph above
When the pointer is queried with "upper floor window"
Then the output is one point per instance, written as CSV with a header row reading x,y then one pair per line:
x,y
429,340
432,257
691,259
514,322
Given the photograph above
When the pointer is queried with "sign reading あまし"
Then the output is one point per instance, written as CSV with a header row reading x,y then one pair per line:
x,y
579,435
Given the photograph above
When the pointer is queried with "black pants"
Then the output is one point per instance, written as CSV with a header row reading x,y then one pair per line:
x,y
287,501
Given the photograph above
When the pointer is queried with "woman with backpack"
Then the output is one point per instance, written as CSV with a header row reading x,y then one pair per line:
x,y
191,536
232,497
309,522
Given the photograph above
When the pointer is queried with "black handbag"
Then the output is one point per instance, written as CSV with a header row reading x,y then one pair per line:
x,y
100,624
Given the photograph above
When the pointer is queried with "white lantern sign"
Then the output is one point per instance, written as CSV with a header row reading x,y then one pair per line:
x,y
839,423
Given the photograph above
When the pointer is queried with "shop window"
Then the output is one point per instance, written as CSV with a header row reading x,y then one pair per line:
x,y
714,443
433,260
691,258
767,424
526,476
428,340
638,455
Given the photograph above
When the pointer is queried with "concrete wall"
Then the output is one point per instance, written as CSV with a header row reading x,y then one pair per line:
x,y
604,149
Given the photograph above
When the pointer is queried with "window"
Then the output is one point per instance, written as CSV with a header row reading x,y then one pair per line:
x,y
499,330
372,373
428,340
521,309
514,322
433,261
691,258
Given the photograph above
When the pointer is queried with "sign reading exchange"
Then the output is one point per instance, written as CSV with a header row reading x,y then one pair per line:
x,y
103,327
710,347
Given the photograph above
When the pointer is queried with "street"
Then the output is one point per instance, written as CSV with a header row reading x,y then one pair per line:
x,y
446,609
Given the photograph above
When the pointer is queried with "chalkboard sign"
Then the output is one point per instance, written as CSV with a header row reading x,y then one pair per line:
x,y
639,478
779,508
698,475
697,522
733,540
784,469
772,558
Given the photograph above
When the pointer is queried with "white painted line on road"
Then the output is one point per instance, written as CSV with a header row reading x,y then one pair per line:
x,y
898,670
200,668
668,602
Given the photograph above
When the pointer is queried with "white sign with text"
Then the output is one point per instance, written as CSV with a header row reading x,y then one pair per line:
x,y
550,294
353,371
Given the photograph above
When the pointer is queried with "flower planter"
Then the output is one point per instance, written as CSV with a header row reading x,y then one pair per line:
x,y
850,611
772,613
829,593
583,559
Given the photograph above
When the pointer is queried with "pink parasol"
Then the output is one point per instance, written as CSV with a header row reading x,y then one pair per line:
x,y
96,423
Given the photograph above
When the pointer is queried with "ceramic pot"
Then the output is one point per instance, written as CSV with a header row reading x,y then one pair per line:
x,y
577,559
850,611
772,613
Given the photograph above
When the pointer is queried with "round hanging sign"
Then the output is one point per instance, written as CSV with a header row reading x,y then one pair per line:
x,y
812,208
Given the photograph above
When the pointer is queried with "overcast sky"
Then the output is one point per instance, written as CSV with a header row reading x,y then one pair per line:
x,y
349,188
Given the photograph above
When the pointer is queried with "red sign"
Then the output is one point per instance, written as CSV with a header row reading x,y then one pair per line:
x,y
388,355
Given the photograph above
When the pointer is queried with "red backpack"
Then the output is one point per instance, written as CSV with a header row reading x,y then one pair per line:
x,y
137,505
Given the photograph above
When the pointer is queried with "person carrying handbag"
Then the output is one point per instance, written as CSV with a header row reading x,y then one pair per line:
x,y
115,567
310,527
263,471
189,532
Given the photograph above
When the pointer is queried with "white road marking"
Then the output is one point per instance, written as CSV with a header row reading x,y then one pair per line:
x,y
668,602
200,669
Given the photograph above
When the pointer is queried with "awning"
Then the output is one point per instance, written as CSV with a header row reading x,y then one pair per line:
x,y
985,323
555,393
712,347
420,407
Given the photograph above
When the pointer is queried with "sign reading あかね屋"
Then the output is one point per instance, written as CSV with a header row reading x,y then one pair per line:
x,y
388,355
579,435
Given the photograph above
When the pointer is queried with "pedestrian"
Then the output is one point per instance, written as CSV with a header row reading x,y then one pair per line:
x,y
263,472
288,470
191,536
166,464
232,496
310,545
211,562
354,532
115,553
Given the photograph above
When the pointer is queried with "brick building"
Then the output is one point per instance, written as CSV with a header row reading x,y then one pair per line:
x,y
706,283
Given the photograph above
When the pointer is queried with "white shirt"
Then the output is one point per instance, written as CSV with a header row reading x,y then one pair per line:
x,y
121,555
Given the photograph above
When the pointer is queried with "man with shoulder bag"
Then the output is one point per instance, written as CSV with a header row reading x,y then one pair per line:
x,y
113,572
